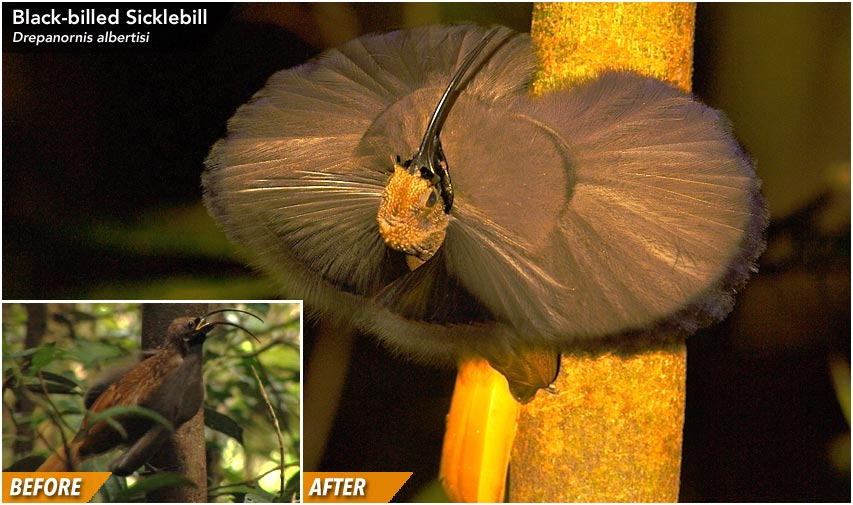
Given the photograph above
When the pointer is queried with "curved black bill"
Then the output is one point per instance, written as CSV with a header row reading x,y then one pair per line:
x,y
204,327
429,159
230,310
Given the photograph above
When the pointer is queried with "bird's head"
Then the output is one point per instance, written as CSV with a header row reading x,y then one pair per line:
x,y
415,208
187,332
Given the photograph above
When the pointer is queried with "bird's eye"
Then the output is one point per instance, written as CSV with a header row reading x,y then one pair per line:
x,y
433,197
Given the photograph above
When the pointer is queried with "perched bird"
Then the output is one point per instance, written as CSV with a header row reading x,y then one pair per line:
x,y
618,207
169,382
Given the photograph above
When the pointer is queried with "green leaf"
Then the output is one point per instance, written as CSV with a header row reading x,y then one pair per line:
x,y
282,356
113,488
51,388
52,383
259,496
23,354
151,483
291,487
223,424
44,356
27,464
236,493
58,379
92,353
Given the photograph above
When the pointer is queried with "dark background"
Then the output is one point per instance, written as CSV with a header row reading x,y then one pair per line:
x,y
102,153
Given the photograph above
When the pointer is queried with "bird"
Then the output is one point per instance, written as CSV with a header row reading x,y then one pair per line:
x,y
620,207
169,382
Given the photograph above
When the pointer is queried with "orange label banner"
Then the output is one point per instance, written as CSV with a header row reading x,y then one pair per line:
x,y
355,487
47,487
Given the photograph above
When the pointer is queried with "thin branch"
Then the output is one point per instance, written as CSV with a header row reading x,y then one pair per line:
x,y
254,480
265,348
12,415
69,460
277,429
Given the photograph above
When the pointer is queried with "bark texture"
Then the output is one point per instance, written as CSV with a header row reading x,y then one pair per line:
x,y
613,431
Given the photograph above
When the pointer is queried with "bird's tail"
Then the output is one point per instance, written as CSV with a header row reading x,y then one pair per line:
x,y
65,459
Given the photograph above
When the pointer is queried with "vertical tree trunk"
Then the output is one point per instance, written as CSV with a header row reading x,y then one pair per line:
x,y
36,327
613,432
185,453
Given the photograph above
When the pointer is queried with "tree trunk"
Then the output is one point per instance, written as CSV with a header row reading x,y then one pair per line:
x,y
185,452
613,432
36,327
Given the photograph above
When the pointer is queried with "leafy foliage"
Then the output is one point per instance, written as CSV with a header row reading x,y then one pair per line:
x,y
148,483
44,378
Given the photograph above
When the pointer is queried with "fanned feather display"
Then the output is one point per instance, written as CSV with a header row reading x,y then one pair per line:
x,y
612,208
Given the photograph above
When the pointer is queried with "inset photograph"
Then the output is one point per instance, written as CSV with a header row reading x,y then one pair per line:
x,y
183,402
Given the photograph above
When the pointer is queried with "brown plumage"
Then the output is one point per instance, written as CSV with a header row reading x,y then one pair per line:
x,y
169,383
618,208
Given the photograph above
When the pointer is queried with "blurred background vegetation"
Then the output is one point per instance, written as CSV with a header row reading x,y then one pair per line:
x,y
60,348
102,200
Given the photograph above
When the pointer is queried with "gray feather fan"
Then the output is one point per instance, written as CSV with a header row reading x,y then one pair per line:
x,y
616,207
